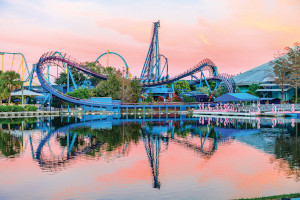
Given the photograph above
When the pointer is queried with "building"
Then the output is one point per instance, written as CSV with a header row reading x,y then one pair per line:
x,y
263,76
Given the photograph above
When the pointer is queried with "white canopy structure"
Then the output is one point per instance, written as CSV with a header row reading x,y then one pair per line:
x,y
25,93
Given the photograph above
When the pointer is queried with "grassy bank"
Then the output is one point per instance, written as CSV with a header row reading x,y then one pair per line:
x,y
277,197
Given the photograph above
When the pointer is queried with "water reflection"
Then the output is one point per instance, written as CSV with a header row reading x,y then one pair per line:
x,y
56,143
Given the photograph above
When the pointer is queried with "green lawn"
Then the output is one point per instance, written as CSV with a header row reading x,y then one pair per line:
x,y
274,197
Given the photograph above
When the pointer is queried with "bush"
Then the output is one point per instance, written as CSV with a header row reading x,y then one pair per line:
x,y
14,108
160,99
176,99
4,108
149,98
30,108
188,99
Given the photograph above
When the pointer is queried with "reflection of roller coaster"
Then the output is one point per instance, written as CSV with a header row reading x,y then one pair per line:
x,y
61,146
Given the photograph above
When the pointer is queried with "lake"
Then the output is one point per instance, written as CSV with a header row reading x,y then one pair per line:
x,y
175,158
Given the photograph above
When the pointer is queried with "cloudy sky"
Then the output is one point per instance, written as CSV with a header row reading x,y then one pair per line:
x,y
237,35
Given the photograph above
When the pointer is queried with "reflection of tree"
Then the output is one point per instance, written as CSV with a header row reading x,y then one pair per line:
x,y
15,123
86,141
10,145
287,147
110,138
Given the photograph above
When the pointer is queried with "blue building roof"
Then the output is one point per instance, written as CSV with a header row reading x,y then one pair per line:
x,y
237,97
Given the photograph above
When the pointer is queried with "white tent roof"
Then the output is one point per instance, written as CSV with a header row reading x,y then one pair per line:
x,y
26,93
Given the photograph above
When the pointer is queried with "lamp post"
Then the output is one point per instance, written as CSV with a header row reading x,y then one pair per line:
x,y
22,94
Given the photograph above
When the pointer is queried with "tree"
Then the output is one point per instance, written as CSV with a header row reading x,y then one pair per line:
x,y
4,90
110,87
294,62
211,83
98,68
204,90
181,85
238,90
10,81
149,98
252,90
193,87
220,91
79,77
282,72
136,90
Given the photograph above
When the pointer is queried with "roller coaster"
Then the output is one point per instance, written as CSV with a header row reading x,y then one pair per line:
x,y
154,73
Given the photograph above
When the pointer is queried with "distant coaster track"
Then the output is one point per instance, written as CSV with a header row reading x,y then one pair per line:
x,y
205,64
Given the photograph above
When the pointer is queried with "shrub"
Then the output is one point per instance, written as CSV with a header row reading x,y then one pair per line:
x,y
160,99
188,99
4,108
14,108
30,108
176,99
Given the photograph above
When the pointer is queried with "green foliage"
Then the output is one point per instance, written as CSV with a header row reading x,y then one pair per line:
x,y
220,91
238,90
188,99
112,138
79,77
149,98
116,86
193,87
176,99
204,90
30,108
18,121
13,108
10,144
252,90
181,85
32,100
294,98
81,93
4,109
98,68
9,81
212,84
275,197
111,87
136,90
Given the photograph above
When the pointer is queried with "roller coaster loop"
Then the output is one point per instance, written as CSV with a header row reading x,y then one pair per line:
x,y
109,52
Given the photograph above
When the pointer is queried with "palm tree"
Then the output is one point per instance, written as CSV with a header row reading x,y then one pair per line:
x,y
10,81
4,90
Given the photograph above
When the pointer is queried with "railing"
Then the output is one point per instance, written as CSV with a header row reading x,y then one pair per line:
x,y
279,107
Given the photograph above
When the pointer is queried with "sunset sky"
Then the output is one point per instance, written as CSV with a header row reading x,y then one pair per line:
x,y
237,35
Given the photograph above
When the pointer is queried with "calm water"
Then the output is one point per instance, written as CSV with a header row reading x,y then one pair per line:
x,y
182,158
